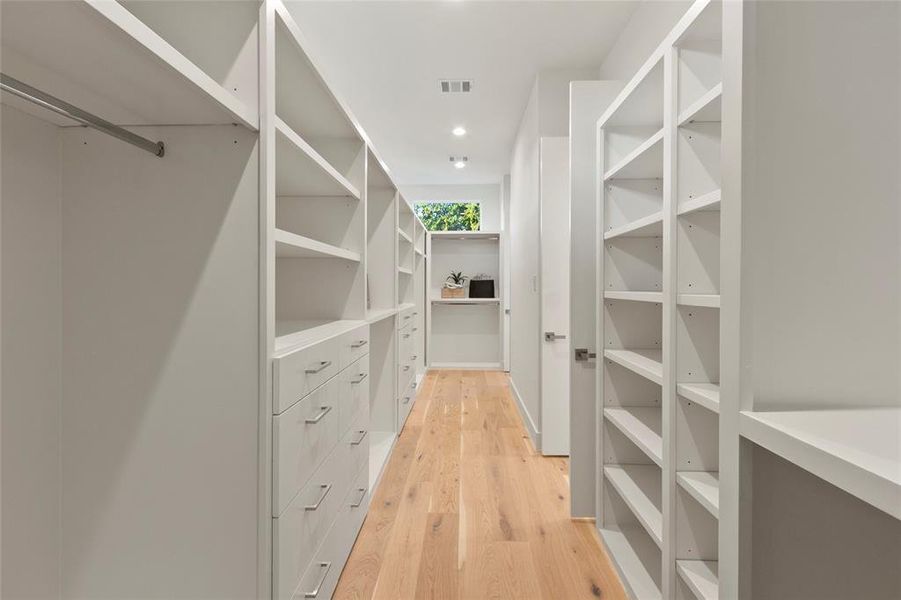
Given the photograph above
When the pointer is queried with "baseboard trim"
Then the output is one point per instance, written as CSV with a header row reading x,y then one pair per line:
x,y
534,434
466,365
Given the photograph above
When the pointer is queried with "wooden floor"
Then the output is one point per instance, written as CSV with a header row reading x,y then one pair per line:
x,y
467,509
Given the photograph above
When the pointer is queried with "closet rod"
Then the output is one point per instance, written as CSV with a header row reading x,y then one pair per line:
x,y
44,100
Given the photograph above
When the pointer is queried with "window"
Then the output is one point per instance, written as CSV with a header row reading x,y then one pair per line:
x,y
450,216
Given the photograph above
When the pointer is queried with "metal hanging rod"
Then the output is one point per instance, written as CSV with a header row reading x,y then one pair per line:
x,y
36,96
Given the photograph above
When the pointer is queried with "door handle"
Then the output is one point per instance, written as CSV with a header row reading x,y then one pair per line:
x,y
359,344
582,354
550,336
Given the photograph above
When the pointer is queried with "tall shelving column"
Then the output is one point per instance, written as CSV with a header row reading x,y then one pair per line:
x,y
630,442
382,275
658,274
693,393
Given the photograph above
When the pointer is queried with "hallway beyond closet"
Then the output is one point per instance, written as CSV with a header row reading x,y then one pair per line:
x,y
467,509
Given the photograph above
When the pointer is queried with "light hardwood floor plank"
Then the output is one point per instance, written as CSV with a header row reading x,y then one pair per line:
x,y
467,509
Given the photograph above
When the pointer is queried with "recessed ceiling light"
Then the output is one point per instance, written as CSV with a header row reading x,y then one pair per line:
x,y
459,131
459,164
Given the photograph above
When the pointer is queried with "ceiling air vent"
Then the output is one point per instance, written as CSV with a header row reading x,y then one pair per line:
x,y
455,86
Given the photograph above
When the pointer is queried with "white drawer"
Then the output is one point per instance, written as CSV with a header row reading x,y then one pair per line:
x,y
353,345
321,577
302,437
299,373
405,371
299,530
354,510
405,318
405,403
353,400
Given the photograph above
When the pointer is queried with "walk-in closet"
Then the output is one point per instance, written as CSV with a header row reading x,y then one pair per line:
x,y
450,299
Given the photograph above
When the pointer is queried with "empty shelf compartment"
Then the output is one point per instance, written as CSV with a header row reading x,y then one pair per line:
x,y
646,362
701,577
705,394
642,426
639,487
703,486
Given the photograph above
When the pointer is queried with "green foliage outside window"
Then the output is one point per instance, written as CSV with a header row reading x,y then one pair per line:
x,y
450,216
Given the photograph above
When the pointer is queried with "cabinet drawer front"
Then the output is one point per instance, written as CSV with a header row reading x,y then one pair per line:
x,y
353,403
301,529
356,506
321,577
353,345
404,373
405,318
299,373
302,437
356,442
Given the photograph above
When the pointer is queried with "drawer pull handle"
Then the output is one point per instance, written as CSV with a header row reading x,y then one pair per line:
x,y
407,317
413,385
360,501
322,365
413,357
325,566
323,410
406,367
359,440
415,329
416,313
406,399
359,344
406,335
362,377
326,488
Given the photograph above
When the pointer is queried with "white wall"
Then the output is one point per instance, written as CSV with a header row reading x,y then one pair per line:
x,y
647,27
488,195
31,353
524,264
546,114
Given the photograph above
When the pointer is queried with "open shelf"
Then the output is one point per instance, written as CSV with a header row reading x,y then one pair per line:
x,y
701,577
656,297
703,486
642,426
404,271
291,245
465,300
115,66
708,201
301,171
700,300
639,487
706,109
643,361
380,445
632,549
291,335
704,394
466,235
404,236
645,162
856,450
649,226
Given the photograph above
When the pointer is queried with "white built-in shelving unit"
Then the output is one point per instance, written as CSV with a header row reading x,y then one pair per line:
x,y
741,446
463,332
279,275
659,197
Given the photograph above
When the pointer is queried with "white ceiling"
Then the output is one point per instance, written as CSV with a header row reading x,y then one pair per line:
x,y
385,60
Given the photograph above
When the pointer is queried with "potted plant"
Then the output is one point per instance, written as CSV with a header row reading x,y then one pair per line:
x,y
453,285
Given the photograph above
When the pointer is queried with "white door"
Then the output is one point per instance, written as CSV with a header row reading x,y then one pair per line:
x,y
555,364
